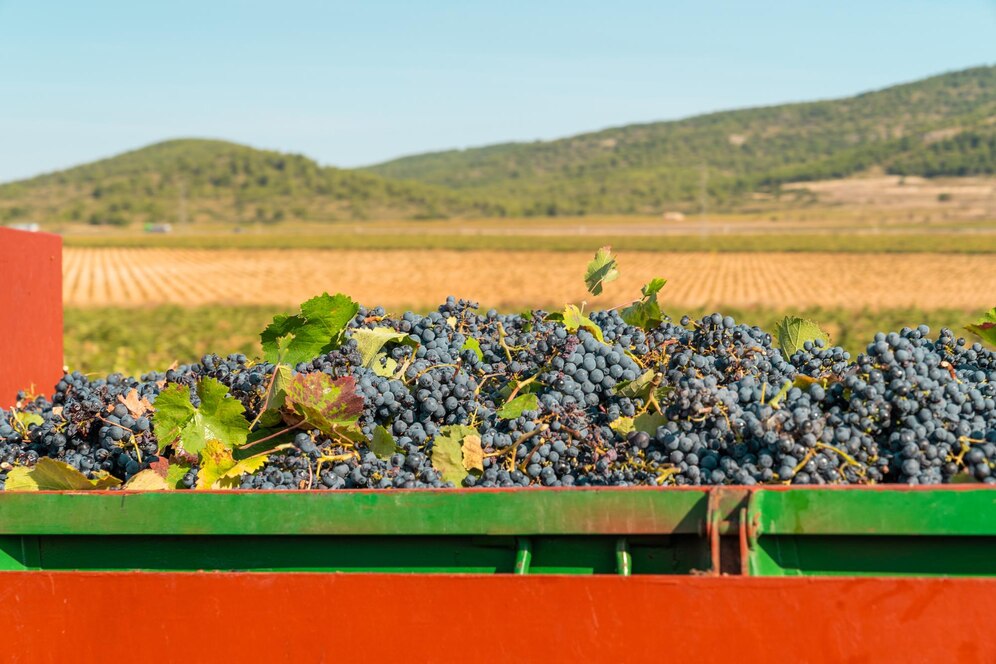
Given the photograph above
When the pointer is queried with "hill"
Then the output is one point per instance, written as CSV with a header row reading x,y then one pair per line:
x,y
203,180
943,125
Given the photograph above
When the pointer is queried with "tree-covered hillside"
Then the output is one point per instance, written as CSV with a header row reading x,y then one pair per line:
x,y
944,125
203,180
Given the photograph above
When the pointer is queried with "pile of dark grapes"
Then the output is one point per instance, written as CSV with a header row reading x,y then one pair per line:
x,y
914,408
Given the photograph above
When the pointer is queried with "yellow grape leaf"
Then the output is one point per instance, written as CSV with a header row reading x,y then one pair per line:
x,y
219,470
147,480
51,475
473,454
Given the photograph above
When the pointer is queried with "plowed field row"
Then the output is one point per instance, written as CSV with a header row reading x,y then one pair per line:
x,y
511,279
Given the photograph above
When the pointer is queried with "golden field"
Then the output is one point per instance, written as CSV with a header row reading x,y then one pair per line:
x,y
517,279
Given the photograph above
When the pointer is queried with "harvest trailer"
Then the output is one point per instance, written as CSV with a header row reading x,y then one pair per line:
x,y
850,573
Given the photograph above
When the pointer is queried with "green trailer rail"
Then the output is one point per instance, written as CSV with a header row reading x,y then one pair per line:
x,y
849,531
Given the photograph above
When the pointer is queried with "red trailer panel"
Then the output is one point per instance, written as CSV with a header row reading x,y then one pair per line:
x,y
291,617
30,313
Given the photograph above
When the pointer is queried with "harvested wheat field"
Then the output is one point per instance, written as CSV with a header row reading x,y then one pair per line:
x,y
510,279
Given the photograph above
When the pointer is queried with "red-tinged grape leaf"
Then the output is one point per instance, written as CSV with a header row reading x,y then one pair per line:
x,y
985,327
517,406
447,452
177,422
147,480
51,475
160,466
601,270
325,403
135,405
794,332
383,444
317,329
220,470
473,453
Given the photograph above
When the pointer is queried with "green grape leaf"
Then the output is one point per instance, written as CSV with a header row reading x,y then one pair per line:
x,y
220,470
316,330
175,473
147,480
793,332
276,397
963,477
646,312
384,366
178,422
649,422
474,345
601,270
51,475
326,404
447,452
641,387
622,425
574,320
517,406
529,385
527,316
775,400
383,444
22,421
985,327
654,287
369,342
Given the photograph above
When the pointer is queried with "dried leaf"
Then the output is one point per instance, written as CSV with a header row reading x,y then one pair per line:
x,y
138,407
473,454
147,480
51,475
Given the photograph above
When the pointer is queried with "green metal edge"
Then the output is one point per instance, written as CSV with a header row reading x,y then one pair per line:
x,y
522,512
873,511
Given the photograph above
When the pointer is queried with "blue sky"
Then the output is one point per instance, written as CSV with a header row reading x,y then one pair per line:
x,y
352,83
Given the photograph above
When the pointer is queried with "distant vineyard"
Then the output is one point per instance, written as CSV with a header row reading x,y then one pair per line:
x,y
510,279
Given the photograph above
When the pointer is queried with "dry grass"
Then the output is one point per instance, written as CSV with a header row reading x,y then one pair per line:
x,y
515,279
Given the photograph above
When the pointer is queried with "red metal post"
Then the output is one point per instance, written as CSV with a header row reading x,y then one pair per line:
x,y
292,617
30,313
